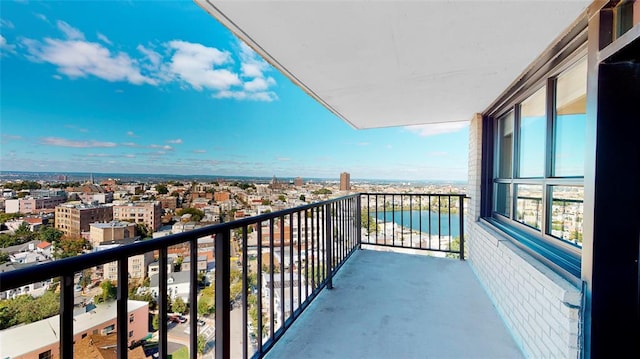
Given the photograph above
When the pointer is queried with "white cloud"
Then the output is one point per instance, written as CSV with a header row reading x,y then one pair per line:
x,y
69,31
199,151
196,64
438,128
177,141
104,39
41,17
63,142
130,156
131,134
129,144
6,23
154,58
252,65
57,77
243,95
164,147
76,58
259,84
4,46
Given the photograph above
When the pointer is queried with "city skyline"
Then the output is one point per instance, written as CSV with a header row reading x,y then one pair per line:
x,y
169,90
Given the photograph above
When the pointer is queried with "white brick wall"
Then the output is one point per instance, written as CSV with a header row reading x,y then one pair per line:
x,y
540,308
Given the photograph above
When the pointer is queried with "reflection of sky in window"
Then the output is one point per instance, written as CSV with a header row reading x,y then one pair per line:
x,y
569,145
532,144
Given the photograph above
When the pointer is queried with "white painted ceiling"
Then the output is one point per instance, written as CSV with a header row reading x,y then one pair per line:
x,y
396,63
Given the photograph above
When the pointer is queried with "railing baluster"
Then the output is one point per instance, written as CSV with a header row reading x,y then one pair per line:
x,y
259,284
245,294
223,324
193,298
66,316
328,247
162,303
291,262
461,227
122,315
299,264
272,308
282,258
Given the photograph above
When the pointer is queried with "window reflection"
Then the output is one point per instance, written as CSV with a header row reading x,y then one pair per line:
x,y
532,135
570,121
529,205
503,199
505,128
567,210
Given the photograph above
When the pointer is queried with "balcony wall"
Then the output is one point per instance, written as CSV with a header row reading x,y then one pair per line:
x,y
540,308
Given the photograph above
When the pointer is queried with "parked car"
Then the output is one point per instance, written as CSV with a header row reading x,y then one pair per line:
x,y
201,322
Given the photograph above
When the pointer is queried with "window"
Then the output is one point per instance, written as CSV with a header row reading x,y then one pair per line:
x,y
131,334
45,355
131,318
539,145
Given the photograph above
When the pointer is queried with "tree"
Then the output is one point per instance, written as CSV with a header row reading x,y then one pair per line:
x,y
162,189
282,198
50,234
204,308
109,292
322,191
303,198
4,257
202,343
143,230
155,322
69,247
85,279
369,223
196,214
179,306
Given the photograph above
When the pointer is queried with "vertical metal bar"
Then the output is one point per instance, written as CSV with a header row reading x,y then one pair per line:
x,y
429,199
439,222
66,316
401,221
411,221
328,247
223,324
272,308
122,316
393,220
461,227
358,220
259,284
306,252
162,303
282,257
377,218
245,294
420,220
313,249
291,282
299,264
193,298
449,221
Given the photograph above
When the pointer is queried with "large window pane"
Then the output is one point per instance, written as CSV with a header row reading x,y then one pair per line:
x,y
570,121
505,149
529,205
503,199
567,210
532,135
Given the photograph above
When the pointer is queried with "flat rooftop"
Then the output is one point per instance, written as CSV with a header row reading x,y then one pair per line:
x,y
395,305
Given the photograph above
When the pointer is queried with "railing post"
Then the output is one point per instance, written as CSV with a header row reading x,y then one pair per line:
x,y
122,317
461,227
66,316
358,215
193,298
328,246
162,303
223,324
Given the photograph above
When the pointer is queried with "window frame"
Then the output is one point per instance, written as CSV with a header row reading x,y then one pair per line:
x,y
541,241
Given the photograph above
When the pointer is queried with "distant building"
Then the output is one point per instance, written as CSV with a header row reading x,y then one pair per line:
x,y
221,196
298,182
345,181
41,339
137,265
32,204
75,219
111,231
147,212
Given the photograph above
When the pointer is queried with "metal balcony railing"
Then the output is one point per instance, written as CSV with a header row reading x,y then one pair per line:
x,y
285,259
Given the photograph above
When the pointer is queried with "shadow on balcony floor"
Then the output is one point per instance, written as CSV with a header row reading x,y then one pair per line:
x,y
393,305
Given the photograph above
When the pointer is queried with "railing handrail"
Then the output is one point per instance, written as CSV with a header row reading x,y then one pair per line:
x,y
45,271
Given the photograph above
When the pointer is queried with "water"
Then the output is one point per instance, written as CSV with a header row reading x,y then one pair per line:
x,y
414,219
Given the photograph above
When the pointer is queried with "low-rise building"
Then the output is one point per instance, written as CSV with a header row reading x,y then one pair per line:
x,y
148,213
38,340
74,219
111,231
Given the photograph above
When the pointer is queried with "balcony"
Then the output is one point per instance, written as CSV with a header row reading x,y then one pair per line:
x,y
329,284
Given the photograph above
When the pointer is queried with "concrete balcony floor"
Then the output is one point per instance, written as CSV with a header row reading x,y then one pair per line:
x,y
395,305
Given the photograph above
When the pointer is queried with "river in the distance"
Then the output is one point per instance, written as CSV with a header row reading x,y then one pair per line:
x,y
424,221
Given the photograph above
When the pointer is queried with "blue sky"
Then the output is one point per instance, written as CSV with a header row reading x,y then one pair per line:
x,y
162,87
